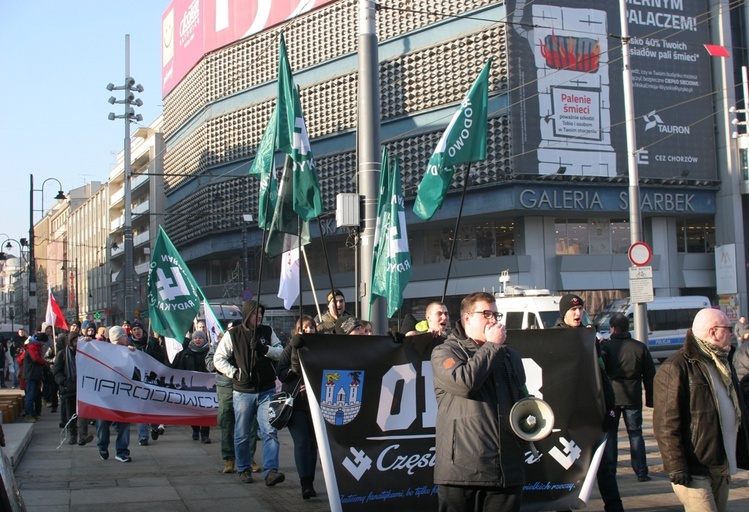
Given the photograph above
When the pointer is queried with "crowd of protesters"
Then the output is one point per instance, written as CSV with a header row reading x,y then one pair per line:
x,y
251,364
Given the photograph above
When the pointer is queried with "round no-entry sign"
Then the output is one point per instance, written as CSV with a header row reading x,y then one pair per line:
x,y
640,254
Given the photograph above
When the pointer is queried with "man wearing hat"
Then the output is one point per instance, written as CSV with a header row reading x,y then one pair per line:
x,y
117,336
348,325
141,341
571,314
336,309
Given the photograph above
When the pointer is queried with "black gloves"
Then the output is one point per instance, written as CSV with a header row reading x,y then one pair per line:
x,y
609,422
680,477
297,341
258,346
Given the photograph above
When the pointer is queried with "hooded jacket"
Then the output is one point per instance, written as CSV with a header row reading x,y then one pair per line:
x,y
246,354
64,369
475,389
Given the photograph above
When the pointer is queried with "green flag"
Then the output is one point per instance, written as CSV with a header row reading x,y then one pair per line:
x,y
381,203
262,169
283,234
173,295
392,270
293,140
464,141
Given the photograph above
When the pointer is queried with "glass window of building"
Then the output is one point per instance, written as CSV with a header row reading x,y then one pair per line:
x,y
487,239
695,236
592,236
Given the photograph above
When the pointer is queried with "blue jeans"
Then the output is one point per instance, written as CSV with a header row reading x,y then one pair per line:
x,y
246,406
32,392
633,422
144,429
122,442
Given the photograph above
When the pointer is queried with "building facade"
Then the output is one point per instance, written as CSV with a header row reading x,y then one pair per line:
x,y
549,205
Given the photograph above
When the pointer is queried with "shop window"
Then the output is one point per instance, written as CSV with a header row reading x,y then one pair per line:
x,y
592,236
695,236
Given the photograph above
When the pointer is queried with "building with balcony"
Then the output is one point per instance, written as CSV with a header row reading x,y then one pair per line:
x,y
147,207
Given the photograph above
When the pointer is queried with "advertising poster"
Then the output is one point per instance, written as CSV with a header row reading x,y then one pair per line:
x,y
567,92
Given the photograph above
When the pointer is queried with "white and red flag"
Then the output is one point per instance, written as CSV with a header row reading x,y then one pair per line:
x,y
54,314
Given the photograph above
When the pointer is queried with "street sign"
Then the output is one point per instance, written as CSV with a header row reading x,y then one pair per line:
x,y
640,254
247,295
641,284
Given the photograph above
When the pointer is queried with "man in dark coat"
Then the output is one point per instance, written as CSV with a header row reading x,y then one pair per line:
x,y
699,409
629,365
480,463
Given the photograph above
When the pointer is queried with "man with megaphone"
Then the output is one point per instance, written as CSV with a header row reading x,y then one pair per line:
x,y
480,462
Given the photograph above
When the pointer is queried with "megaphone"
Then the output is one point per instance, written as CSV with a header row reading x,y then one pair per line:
x,y
531,419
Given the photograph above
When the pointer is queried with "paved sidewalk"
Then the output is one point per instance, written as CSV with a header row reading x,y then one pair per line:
x,y
175,473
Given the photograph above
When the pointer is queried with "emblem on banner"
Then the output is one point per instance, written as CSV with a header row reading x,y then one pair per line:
x,y
341,392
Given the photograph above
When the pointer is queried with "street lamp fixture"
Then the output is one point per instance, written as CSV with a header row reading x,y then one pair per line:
x,y
32,264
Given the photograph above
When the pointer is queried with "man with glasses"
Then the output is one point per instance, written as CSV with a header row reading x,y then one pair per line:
x,y
571,313
480,463
699,408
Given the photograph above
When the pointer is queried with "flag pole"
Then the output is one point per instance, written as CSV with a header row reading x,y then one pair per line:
x,y
327,261
299,242
311,284
455,231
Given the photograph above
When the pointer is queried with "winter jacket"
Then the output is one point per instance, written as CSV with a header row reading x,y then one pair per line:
x,y
629,365
475,389
686,420
150,346
247,356
290,379
191,359
33,361
221,379
64,371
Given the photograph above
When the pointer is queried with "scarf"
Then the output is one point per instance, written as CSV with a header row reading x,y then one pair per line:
x,y
198,348
720,358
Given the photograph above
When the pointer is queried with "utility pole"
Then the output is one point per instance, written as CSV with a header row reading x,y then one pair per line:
x,y
369,154
635,218
129,116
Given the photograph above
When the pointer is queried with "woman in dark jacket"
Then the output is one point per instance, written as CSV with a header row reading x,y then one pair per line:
x,y
192,358
65,374
300,424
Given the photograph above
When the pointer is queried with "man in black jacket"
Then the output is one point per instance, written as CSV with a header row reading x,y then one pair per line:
x,y
480,463
629,365
571,314
698,411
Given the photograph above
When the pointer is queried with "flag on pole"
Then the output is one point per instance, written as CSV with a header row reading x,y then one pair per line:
x,y
464,141
215,331
263,169
381,203
54,314
173,295
392,270
292,139
288,285
283,234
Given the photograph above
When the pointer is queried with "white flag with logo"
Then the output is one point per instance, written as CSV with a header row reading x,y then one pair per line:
x,y
288,285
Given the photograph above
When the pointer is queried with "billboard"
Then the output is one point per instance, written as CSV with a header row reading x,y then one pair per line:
x,y
192,28
567,107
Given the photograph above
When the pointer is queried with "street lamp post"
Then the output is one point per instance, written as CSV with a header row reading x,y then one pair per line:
x,y
32,263
10,312
129,116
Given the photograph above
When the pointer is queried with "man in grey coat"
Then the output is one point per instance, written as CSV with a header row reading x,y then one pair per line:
x,y
480,463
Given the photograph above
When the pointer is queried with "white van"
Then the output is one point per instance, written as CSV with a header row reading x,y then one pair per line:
x,y
526,308
668,321
225,313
